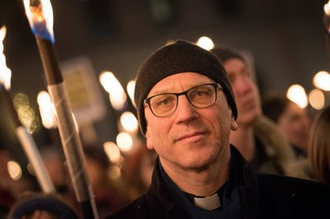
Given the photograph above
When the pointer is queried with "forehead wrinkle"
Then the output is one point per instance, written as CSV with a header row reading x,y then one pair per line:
x,y
177,87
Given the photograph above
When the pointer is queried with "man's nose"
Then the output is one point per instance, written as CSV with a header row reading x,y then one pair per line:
x,y
185,111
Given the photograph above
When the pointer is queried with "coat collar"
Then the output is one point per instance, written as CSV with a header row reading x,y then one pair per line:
x,y
167,198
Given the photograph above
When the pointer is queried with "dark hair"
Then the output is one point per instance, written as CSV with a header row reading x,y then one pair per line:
x,y
319,145
273,106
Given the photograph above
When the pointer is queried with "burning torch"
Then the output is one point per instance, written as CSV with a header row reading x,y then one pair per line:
x,y
24,137
40,16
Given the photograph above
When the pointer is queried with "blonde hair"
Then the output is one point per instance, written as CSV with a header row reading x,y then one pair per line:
x,y
319,146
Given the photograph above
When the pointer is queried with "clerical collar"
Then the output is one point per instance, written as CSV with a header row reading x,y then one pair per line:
x,y
228,194
214,201
208,203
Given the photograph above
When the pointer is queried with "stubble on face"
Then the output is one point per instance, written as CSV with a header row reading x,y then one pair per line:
x,y
197,141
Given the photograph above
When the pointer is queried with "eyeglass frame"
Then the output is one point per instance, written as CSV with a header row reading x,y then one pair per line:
x,y
215,86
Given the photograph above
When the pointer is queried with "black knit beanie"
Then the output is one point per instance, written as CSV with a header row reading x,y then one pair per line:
x,y
180,56
225,52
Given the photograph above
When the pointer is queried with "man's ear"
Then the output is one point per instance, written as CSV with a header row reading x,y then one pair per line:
x,y
149,141
233,124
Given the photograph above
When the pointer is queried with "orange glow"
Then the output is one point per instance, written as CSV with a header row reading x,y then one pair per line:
x,y
297,94
322,80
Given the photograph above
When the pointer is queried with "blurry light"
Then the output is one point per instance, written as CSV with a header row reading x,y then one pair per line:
x,y
14,170
130,90
112,151
316,99
322,80
124,141
129,122
31,169
113,87
296,93
21,99
114,172
205,43
25,113
47,110
5,72
326,8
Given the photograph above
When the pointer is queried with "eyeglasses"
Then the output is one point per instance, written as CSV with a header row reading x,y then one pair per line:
x,y
201,96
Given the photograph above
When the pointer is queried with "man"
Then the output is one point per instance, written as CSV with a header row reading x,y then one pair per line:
x,y
186,110
258,138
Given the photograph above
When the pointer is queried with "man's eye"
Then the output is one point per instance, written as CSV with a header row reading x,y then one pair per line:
x,y
199,93
165,101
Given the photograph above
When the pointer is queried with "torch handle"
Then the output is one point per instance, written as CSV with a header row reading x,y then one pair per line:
x,y
73,149
49,61
34,156
10,105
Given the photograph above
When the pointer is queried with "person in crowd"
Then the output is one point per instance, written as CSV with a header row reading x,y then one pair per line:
x,y
293,121
186,110
10,188
37,205
319,146
54,162
107,197
137,170
258,139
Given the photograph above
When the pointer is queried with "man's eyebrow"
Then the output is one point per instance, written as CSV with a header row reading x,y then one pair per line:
x,y
170,90
162,91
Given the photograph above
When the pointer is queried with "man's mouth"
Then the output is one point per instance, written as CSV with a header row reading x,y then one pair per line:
x,y
195,136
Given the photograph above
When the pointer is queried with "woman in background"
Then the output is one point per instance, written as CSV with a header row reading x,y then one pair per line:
x,y
319,146
292,120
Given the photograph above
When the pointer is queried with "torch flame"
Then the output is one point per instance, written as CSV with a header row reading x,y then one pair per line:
x,y
5,72
40,16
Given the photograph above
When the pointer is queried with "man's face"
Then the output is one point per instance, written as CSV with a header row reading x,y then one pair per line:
x,y
190,138
245,91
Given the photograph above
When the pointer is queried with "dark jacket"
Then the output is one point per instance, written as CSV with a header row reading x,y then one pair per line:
x,y
262,196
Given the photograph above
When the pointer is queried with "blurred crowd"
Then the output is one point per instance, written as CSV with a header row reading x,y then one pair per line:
x,y
278,136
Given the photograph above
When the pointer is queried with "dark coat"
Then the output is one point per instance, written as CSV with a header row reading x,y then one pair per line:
x,y
262,196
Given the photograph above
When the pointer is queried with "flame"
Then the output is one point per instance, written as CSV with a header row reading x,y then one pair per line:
x,y
40,16
5,72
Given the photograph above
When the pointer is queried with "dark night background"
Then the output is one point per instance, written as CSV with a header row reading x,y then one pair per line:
x,y
286,37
